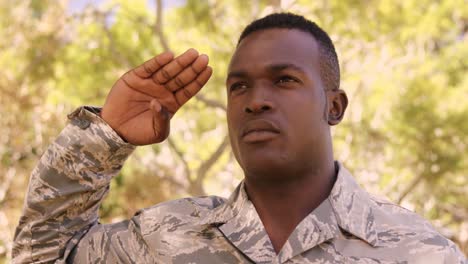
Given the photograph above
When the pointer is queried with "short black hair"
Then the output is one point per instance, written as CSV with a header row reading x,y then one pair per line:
x,y
329,65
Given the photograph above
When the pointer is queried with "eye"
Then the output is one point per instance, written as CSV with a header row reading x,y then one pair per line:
x,y
237,86
286,79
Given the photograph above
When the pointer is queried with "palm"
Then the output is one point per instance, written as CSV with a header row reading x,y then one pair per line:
x,y
142,102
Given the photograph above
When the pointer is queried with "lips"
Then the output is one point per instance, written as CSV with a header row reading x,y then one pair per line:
x,y
259,125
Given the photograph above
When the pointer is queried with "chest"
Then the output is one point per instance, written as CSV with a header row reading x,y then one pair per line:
x,y
211,246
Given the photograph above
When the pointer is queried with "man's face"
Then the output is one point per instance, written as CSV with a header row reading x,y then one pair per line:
x,y
276,103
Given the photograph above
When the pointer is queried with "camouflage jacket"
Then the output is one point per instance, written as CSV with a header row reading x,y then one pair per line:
x,y
60,219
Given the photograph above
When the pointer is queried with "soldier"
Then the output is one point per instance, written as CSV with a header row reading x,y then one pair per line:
x,y
295,205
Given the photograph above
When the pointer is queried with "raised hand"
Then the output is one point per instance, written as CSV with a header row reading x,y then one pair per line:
x,y
142,102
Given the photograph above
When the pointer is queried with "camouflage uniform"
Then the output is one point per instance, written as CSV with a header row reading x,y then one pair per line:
x,y
60,218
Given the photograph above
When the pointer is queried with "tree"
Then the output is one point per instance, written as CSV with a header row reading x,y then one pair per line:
x,y
404,135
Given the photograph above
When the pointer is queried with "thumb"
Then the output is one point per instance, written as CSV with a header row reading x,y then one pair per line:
x,y
161,118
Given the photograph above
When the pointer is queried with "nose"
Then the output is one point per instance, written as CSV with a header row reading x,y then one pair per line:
x,y
259,101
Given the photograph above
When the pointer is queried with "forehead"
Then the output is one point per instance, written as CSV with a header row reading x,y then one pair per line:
x,y
275,46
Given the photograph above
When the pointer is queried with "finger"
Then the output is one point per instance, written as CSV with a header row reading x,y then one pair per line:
x,y
159,109
184,94
145,86
156,108
174,67
160,121
149,67
188,74
155,105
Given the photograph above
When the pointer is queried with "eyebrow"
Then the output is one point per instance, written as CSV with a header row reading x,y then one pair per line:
x,y
236,74
284,66
270,68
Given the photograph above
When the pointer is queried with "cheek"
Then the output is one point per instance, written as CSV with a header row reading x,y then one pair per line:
x,y
233,115
231,119
305,117
233,125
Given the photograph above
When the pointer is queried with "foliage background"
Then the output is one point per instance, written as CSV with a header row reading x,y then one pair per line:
x,y
404,66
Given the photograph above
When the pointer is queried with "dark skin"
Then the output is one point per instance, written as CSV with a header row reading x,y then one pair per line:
x,y
279,115
142,102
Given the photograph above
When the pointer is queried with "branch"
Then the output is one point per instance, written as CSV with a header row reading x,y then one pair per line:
x,y
113,49
164,173
255,10
179,154
158,25
458,214
211,102
276,4
101,16
207,164
170,179
5,185
415,182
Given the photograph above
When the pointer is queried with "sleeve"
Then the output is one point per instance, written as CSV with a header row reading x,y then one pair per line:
x,y
455,255
66,189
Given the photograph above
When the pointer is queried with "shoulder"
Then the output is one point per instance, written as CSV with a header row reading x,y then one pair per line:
x,y
410,234
189,204
390,216
185,211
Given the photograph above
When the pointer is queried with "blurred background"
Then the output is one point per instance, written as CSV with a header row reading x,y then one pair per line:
x,y
404,67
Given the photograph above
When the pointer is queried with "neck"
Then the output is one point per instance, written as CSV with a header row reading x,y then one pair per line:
x,y
282,205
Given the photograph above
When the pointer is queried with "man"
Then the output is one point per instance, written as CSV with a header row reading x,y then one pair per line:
x,y
295,205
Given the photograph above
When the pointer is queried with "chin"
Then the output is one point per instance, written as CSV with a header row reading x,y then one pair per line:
x,y
266,168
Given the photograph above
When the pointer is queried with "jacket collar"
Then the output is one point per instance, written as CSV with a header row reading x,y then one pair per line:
x,y
238,220
355,210
348,207
317,227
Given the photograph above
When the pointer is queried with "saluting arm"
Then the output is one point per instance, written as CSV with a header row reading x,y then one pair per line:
x,y
73,175
66,188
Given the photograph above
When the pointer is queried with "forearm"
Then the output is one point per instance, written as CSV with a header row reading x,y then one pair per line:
x,y
66,188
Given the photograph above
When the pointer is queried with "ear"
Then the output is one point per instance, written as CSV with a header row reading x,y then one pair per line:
x,y
337,103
